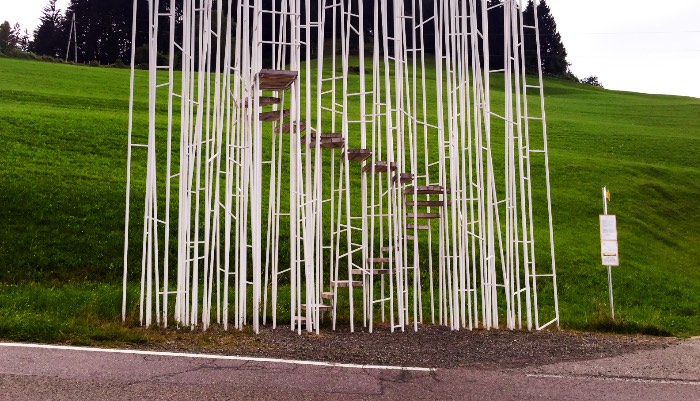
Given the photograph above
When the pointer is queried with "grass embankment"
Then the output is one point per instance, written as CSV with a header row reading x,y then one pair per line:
x,y
63,135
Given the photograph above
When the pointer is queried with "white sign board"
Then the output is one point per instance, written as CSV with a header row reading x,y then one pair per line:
x,y
608,240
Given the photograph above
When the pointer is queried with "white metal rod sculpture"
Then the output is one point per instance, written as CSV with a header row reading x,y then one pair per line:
x,y
341,158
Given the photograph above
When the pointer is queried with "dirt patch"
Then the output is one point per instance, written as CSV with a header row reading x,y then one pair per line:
x,y
431,346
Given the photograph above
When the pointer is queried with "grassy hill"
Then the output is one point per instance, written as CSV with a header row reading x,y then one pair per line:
x,y
63,141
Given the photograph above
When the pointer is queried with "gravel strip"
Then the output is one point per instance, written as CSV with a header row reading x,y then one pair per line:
x,y
431,346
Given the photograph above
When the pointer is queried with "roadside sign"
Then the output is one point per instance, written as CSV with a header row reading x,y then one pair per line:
x,y
608,241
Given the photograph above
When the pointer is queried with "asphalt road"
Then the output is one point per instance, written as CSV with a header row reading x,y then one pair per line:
x,y
30,372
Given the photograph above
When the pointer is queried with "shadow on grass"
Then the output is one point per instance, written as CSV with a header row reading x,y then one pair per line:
x,y
602,322
624,327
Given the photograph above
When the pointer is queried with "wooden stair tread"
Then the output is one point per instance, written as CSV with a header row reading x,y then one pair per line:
x,y
321,307
286,127
272,116
327,295
276,80
379,167
358,155
378,260
328,135
328,141
418,227
372,271
427,190
423,215
265,101
435,203
346,283
404,177
381,271
387,248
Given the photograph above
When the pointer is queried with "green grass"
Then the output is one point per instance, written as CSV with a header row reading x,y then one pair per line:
x,y
63,139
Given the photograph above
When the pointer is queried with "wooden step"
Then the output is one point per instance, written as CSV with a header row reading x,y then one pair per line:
x,y
410,238
436,203
416,216
358,155
286,127
418,227
266,101
387,248
404,177
328,141
321,307
378,260
376,272
346,283
276,80
379,167
327,295
426,190
272,116
379,272
356,271
329,144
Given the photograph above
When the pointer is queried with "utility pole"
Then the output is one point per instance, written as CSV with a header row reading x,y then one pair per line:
x,y
73,35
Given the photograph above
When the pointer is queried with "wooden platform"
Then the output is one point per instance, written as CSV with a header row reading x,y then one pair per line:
x,y
272,116
404,177
375,272
434,203
276,80
379,167
416,216
358,155
418,227
265,101
328,141
346,283
286,128
426,190
321,307
380,271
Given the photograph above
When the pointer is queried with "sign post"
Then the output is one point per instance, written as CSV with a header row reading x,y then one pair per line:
x,y
608,245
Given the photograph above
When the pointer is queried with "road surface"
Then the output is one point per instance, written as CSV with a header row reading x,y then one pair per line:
x,y
35,372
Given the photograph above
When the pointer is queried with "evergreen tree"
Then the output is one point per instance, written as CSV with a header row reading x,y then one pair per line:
x,y
103,28
6,39
49,36
552,49
496,34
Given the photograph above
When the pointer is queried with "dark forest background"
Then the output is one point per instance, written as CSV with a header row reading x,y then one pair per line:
x,y
104,29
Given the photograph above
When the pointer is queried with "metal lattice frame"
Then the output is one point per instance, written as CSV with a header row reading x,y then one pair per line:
x,y
404,194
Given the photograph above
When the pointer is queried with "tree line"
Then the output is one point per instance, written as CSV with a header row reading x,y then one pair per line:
x,y
104,29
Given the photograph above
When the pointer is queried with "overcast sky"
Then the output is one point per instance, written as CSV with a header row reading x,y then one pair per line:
x,y
634,45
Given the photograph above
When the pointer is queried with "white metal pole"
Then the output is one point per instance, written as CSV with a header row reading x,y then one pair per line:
x,y
610,288
128,160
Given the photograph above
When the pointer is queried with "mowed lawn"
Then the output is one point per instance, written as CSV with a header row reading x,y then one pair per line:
x,y
62,182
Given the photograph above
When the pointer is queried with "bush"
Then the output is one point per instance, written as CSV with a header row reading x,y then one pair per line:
x,y
119,64
593,81
15,53
94,63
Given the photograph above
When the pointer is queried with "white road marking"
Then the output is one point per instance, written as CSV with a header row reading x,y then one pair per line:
x,y
219,357
617,379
